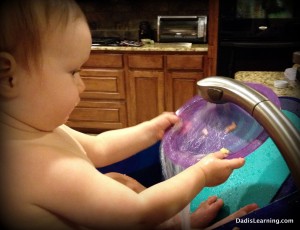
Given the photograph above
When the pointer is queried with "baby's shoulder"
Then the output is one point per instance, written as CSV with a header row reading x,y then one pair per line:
x,y
58,141
43,151
45,156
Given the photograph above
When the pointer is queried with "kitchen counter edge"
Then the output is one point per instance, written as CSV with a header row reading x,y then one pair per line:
x,y
156,47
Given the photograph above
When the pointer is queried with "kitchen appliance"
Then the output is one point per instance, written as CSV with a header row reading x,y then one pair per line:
x,y
257,35
259,20
191,29
145,31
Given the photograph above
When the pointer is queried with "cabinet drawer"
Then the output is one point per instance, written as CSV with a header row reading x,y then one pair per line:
x,y
194,62
145,61
97,60
98,115
103,83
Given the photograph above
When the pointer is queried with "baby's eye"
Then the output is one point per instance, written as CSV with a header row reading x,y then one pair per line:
x,y
74,72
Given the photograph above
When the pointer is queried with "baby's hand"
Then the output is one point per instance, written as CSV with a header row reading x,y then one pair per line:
x,y
217,169
162,122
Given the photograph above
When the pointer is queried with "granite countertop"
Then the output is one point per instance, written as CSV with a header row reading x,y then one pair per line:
x,y
267,78
176,47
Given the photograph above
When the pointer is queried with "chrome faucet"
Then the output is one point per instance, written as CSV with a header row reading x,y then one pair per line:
x,y
280,129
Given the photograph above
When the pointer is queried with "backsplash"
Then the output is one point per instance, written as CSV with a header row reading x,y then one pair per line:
x,y
121,18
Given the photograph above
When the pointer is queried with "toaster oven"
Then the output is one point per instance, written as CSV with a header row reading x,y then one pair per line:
x,y
182,29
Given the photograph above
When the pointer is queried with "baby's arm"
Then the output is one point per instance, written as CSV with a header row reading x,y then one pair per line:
x,y
178,191
115,145
161,201
70,187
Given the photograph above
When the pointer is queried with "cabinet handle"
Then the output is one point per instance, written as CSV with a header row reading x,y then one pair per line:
x,y
262,27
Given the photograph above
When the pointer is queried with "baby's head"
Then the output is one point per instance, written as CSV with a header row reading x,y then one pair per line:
x,y
43,44
26,24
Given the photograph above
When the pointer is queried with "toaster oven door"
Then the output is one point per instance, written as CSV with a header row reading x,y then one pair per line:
x,y
182,29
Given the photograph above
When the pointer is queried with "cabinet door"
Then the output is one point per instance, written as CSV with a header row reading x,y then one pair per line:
x,y
96,116
103,104
183,72
103,83
181,86
146,95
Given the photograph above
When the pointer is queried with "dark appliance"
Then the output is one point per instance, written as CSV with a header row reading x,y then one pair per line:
x,y
181,29
257,35
145,31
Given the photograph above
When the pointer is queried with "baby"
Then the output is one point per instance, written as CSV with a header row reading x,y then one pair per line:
x,y
48,171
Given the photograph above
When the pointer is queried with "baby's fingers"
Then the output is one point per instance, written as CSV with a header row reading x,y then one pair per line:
x,y
236,163
233,163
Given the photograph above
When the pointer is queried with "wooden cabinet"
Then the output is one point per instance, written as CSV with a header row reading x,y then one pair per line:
x,y
124,89
94,116
145,87
103,103
183,72
158,83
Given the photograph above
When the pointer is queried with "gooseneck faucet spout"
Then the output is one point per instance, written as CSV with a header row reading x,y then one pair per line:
x,y
277,125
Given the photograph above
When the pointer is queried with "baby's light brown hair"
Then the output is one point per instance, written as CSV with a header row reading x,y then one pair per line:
x,y
26,24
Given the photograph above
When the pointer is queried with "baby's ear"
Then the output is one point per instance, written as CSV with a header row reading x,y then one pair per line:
x,y
7,75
